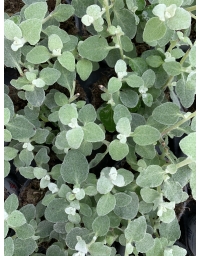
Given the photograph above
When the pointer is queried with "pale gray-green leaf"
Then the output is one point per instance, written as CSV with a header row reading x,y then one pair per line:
x,y
136,229
31,30
49,75
11,30
63,12
71,240
93,133
39,54
54,42
25,231
134,81
26,156
56,30
104,185
149,195
171,230
188,145
99,249
173,191
149,77
24,247
75,137
40,136
87,114
67,60
11,58
39,172
181,20
55,211
147,151
84,68
10,153
121,111
55,250
123,126
114,85
29,212
122,199
42,156
118,150
66,113
157,249
11,203
16,219
172,68
8,246
36,10
106,204
36,97
27,172
129,98
6,168
101,225
145,244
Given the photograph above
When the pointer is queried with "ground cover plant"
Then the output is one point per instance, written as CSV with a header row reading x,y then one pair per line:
x,y
147,100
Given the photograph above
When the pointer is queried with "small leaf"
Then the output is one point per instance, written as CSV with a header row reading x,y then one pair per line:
x,y
26,157
11,58
105,204
129,98
123,126
11,203
134,81
118,150
145,244
40,136
157,249
24,247
93,133
192,56
36,97
74,168
10,153
27,172
172,68
154,61
104,185
31,30
39,54
188,145
136,229
60,99
145,135
55,210
168,113
60,32
80,6
154,30
11,30
181,20
63,12
122,199
128,176
55,250
66,113
147,151
42,156
25,231
75,137
54,42
149,195
8,246
20,128
138,65
114,85
93,48
16,219
39,173
71,239
99,249
87,114
6,168
29,212
101,225
84,68
152,176
36,10
49,75
193,180
121,111
67,60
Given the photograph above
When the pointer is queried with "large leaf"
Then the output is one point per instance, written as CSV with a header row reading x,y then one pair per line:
x,y
118,150
84,68
55,211
171,230
63,12
75,168
181,20
36,97
11,30
93,48
11,203
106,204
93,133
101,225
136,229
36,10
31,30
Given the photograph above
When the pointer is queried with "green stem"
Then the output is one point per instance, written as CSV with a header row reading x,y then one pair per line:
x,y
193,16
47,18
173,127
184,162
58,2
19,69
170,80
185,57
172,45
120,45
191,8
106,6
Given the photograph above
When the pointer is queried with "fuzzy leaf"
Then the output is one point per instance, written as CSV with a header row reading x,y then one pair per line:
x,y
11,58
87,114
74,169
39,173
106,204
16,219
123,126
29,212
93,48
171,230
149,77
57,31
114,85
27,172
81,6
84,68
55,250
20,128
36,97
138,65
157,249
75,137
6,116
11,203
6,168
26,157
55,211
173,191
104,185
31,30
134,81
42,156
71,239
147,151
49,75
25,231
193,180
129,98
118,150
11,30
152,176
101,225
121,111
145,244
181,20
188,145
149,195
192,56
93,133
60,99
99,249
154,61
122,199
66,113
168,113
154,30
39,54
36,10
67,60
136,229
63,12
40,136
8,246
24,247
9,104
10,153
172,68
54,42
128,176
145,135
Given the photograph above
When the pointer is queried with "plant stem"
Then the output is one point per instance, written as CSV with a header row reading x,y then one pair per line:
x,y
193,16
173,127
191,8
171,78
19,69
184,162
47,18
185,57
172,45
58,2
106,6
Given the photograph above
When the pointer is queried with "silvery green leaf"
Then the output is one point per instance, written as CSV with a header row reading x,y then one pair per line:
x,y
67,60
101,225
145,244
66,113
114,220
74,169
9,153
60,32
31,30
29,212
11,203
168,216
171,230
90,190
193,179
129,211
181,20
9,104
171,168
8,246
129,98
136,229
25,231
138,65
39,172
123,126
172,68
42,157
16,219
127,44
178,251
26,157
154,61
93,48
154,30
145,207
149,77
6,228
71,239
192,56
127,175
188,145
114,85
152,176
61,141
105,204
71,44
55,250
11,30
122,199
86,148
137,120
24,247
148,151
84,68
60,99
144,135
27,172
49,75
193,124
44,228
124,18
31,113
87,114
134,81
11,58
40,136
75,137
186,92
59,228
121,111
149,195
63,12
48,197
118,150
6,168
36,10
120,66
93,132
147,99
173,191
104,185
177,53
85,210
81,6
39,54
55,211
97,249
157,249
168,113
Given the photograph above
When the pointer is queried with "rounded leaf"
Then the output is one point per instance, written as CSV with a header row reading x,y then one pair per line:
x,y
101,225
145,244
106,204
144,135
36,10
181,20
87,114
75,137
16,219
11,30
55,211
66,113
129,98
31,30
93,133
67,60
84,68
118,150
188,145
39,54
